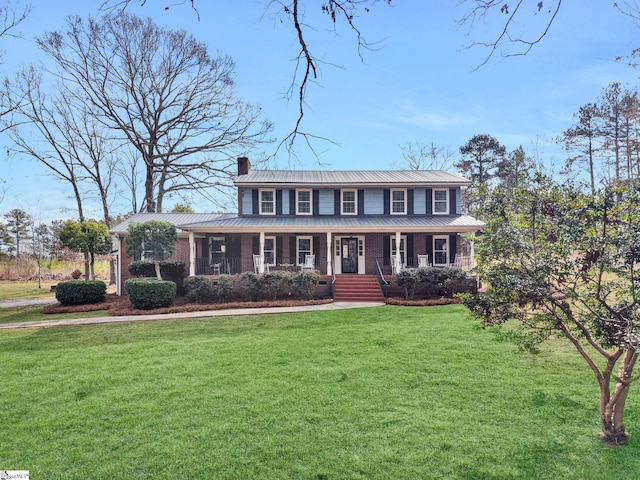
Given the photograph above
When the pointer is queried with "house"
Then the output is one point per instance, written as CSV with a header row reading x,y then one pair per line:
x,y
336,222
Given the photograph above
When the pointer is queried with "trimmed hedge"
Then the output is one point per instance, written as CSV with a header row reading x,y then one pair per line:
x,y
146,293
80,292
171,271
432,282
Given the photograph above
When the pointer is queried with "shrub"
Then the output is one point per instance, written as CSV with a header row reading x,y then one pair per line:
x,y
408,278
247,286
224,288
442,281
277,284
146,293
80,292
199,289
76,274
171,271
306,283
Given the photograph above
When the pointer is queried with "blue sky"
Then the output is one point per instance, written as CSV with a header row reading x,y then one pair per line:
x,y
417,84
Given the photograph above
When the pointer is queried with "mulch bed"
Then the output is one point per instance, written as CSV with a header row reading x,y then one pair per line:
x,y
120,305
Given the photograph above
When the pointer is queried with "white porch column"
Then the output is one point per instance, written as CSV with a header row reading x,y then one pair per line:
x,y
329,254
261,252
398,259
192,255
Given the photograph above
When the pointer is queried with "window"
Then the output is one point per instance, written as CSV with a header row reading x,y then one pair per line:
x,y
349,201
303,202
270,250
398,202
440,251
305,247
267,201
440,202
403,242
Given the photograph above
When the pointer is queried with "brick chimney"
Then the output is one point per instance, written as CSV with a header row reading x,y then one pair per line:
x,y
244,165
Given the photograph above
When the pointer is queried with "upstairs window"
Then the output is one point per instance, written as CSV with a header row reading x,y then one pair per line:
x,y
303,202
349,202
440,202
267,201
398,202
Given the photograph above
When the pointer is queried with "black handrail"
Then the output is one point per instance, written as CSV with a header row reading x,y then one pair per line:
x,y
384,285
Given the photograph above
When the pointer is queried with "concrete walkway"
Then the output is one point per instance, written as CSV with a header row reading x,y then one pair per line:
x,y
174,316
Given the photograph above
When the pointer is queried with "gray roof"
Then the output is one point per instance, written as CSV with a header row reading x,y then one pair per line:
x,y
174,218
356,223
352,178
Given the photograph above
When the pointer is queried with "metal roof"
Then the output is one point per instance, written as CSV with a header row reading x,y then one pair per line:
x,y
321,224
174,218
351,178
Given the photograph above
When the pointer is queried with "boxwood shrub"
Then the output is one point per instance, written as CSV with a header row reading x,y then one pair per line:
x,y
171,271
146,293
80,292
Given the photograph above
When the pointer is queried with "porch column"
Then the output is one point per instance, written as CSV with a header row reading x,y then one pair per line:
x,y
261,252
329,254
398,259
192,255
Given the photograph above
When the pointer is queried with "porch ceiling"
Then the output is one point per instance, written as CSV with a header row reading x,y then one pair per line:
x,y
339,224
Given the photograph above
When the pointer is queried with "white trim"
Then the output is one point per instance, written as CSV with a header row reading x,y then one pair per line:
x,y
303,237
266,190
446,201
264,250
446,250
355,201
404,203
310,192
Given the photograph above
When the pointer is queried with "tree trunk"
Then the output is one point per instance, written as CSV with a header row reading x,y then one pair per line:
x,y
612,404
157,265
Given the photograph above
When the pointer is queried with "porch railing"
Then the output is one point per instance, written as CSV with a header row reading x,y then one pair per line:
x,y
465,263
237,265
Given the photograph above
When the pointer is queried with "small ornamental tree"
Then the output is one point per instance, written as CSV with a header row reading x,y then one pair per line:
x,y
91,238
155,240
559,263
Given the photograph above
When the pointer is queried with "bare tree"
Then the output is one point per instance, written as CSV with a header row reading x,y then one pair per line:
x,y
163,93
422,156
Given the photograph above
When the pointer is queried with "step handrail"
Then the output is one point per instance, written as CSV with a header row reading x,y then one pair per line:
x,y
384,285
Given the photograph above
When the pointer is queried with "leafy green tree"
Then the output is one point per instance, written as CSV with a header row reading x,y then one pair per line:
x,y
89,237
560,263
182,208
515,169
155,240
18,224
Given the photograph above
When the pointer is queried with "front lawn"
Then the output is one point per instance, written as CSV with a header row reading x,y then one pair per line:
x,y
372,393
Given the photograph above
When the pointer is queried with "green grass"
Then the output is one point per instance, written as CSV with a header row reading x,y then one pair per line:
x,y
375,393
35,313
17,290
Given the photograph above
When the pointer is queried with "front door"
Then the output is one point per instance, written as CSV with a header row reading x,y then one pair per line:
x,y
349,255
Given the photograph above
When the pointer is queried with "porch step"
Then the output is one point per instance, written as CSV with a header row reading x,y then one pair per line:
x,y
361,288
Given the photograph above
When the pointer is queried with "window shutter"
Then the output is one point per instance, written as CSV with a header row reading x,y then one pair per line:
x,y
316,248
386,250
279,250
430,248
292,202
429,202
452,202
278,202
254,201
205,247
453,248
410,201
360,202
336,202
387,202
316,202
409,259
293,249
255,245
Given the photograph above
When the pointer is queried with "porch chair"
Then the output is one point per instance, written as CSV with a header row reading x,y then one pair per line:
x,y
258,264
423,261
309,263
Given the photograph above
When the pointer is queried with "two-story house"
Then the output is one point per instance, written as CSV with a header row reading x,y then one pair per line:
x,y
336,222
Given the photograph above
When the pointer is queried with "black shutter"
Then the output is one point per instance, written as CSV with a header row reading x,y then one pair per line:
x,y
316,202
205,247
292,202
360,202
387,201
409,253
316,248
452,201
279,250
386,250
410,202
453,248
278,202
254,201
429,202
430,248
255,245
336,202
293,249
